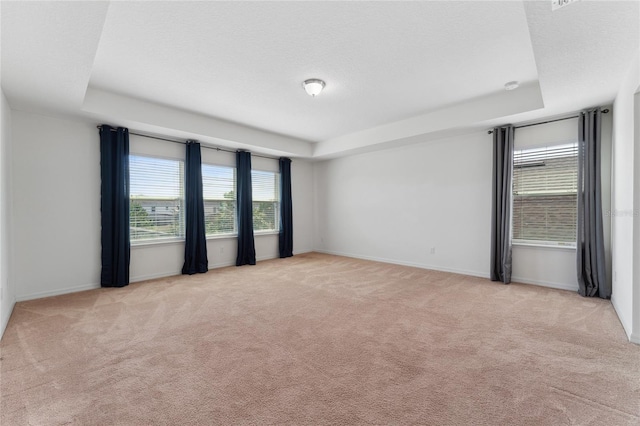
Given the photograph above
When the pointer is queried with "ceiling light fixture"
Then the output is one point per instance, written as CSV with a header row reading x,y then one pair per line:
x,y
313,86
512,85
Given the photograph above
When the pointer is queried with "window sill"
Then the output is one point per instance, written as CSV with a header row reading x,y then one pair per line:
x,y
221,237
543,246
230,236
259,233
148,243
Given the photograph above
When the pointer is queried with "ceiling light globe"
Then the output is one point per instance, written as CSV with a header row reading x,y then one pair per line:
x,y
313,86
512,85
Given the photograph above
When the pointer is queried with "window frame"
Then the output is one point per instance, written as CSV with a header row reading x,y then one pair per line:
x,y
570,245
181,238
182,220
233,234
276,202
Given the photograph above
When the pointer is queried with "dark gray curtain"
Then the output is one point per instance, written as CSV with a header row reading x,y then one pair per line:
x,y
195,241
286,210
244,213
114,206
590,238
501,204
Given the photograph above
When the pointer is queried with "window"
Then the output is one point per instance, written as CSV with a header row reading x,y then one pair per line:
x,y
545,182
218,190
157,198
265,187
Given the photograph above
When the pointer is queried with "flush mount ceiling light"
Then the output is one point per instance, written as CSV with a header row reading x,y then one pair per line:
x,y
313,86
512,85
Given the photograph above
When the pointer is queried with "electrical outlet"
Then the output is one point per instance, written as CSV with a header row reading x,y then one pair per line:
x,y
432,251
221,249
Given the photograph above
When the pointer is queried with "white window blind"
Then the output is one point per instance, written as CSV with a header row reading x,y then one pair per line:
x,y
157,198
265,187
219,193
545,194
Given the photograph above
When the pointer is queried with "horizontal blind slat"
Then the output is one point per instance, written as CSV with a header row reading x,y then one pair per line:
x,y
157,197
266,196
219,193
545,193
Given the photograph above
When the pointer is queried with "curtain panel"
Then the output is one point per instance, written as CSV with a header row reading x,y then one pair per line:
x,y
195,244
501,199
286,209
114,206
590,237
246,246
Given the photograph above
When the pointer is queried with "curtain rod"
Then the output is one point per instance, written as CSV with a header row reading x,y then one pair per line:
x,y
184,143
604,111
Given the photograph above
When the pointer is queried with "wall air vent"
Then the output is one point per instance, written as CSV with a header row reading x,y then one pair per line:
x,y
557,4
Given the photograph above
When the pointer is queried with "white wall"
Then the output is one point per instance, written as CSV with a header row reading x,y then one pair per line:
x,y
546,266
399,205
56,222
622,209
303,205
7,290
429,205
635,334
57,209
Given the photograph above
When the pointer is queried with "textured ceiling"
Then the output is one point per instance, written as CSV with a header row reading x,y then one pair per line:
x,y
47,52
583,50
245,62
217,71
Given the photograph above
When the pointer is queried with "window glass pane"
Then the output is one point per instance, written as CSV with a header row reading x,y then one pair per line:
x,y
266,200
157,198
218,187
545,194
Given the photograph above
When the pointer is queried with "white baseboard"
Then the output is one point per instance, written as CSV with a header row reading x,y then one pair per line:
x,y
305,250
148,277
403,263
626,327
559,286
634,338
56,292
5,318
66,290
211,266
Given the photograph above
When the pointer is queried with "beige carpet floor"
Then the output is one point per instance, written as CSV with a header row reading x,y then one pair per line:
x,y
318,339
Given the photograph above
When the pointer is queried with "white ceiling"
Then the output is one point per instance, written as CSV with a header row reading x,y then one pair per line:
x,y
217,71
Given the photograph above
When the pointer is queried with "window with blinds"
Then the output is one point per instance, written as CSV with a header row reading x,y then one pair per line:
x,y
545,182
156,208
218,190
265,187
